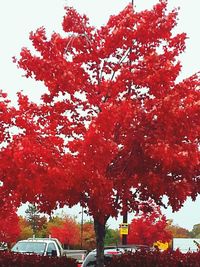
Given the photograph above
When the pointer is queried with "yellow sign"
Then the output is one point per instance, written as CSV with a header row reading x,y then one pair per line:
x,y
123,229
161,246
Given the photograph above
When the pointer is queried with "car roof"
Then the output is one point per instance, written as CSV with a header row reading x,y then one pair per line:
x,y
46,240
110,251
131,248
123,248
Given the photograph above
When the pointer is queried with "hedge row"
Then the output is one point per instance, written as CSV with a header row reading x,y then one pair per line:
x,y
137,259
8,259
157,259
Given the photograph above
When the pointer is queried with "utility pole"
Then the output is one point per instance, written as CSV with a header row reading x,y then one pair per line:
x,y
125,221
82,228
125,216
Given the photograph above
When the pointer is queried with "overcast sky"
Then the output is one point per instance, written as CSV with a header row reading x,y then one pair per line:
x,y
18,18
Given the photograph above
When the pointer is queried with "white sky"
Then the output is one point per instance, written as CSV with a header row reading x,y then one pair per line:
x,y
18,18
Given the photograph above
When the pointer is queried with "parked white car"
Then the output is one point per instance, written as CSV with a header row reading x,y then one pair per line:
x,y
47,247
109,252
40,246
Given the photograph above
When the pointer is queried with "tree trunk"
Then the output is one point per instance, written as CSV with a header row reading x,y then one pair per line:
x,y
100,236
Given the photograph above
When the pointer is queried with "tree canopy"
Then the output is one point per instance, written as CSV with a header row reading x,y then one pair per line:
x,y
148,228
9,224
67,231
116,127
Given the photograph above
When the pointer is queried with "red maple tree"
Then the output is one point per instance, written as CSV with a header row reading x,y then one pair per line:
x,y
116,128
9,223
148,228
68,232
6,115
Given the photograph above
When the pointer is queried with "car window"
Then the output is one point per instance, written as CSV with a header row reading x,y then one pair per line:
x,y
29,247
51,247
90,260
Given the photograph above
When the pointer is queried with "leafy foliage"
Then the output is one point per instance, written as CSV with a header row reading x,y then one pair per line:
x,y
158,259
116,128
35,219
89,241
178,231
112,237
132,129
9,222
148,228
6,119
68,232
9,259
25,229
195,231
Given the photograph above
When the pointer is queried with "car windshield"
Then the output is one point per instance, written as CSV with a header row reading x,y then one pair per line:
x,y
90,261
29,247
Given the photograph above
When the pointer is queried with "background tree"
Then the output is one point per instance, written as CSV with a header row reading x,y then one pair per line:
x,y
148,228
66,230
116,128
112,237
89,241
26,230
35,220
54,221
178,231
195,231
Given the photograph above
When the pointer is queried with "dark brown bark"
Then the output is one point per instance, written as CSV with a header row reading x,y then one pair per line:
x,y
100,236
